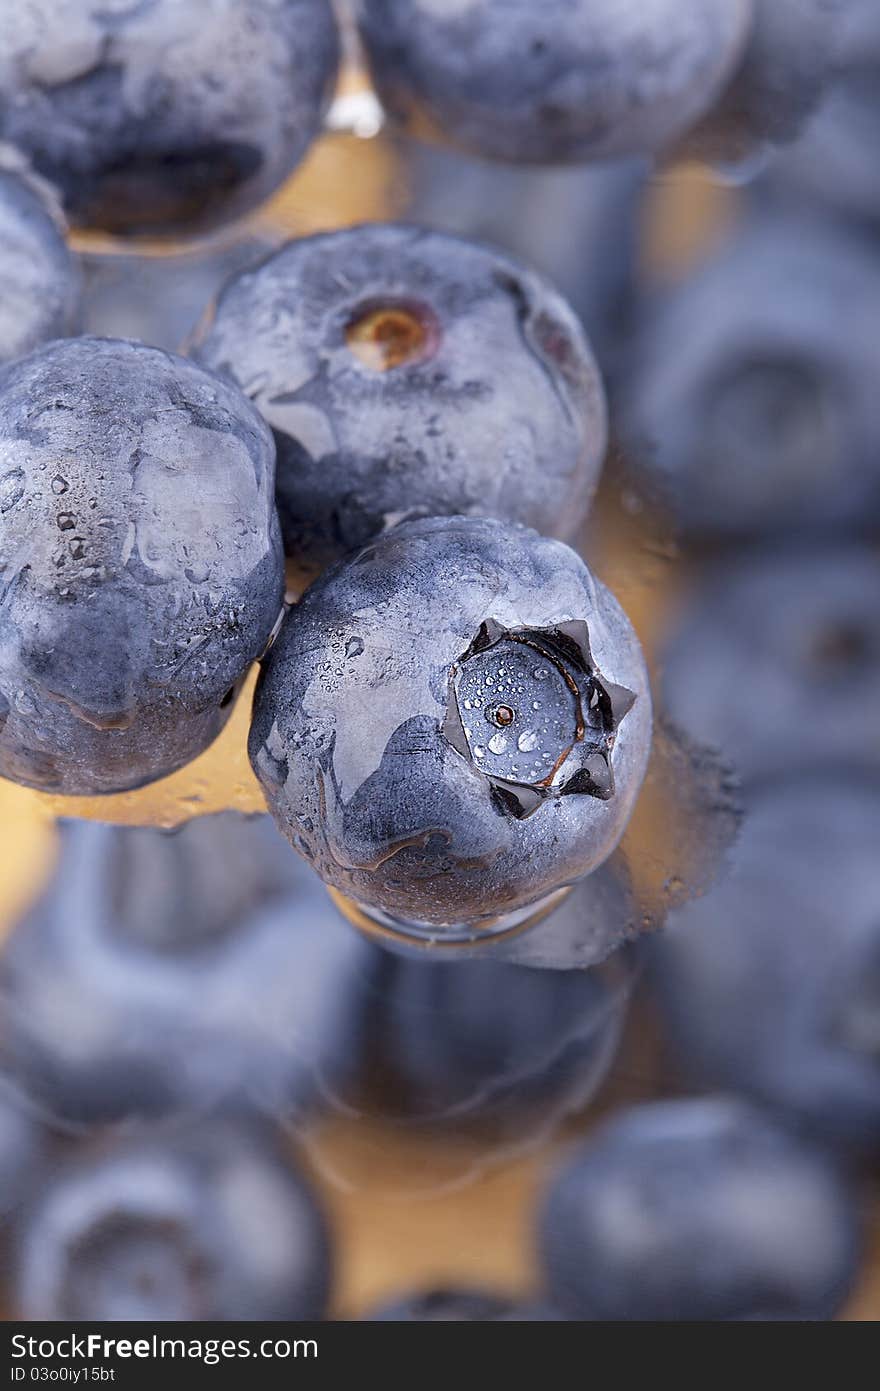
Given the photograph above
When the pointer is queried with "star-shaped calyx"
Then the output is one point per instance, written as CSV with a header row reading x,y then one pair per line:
x,y
530,709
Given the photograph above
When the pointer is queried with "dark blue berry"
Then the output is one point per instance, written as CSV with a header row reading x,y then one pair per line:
x,y
210,1222
453,1305
770,985
455,723
557,82
700,1209
141,562
405,373
159,116
195,968
777,662
752,396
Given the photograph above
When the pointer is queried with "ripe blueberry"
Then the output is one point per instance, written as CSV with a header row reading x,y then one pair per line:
x,y
406,373
40,285
770,985
551,83
443,1304
198,968
752,391
198,1223
160,116
454,723
698,1209
777,662
141,562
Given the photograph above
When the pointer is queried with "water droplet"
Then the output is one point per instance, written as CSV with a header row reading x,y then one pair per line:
x,y
66,521
59,485
527,741
536,704
540,673
354,647
479,752
498,743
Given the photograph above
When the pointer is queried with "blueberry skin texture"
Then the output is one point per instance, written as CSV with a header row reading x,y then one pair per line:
x,y
698,1210
502,415
560,82
453,1041
750,395
202,968
348,733
199,1223
769,643
782,77
169,116
142,563
789,941
40,284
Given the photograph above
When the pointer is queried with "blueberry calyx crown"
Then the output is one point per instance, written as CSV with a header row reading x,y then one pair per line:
x,y
531,711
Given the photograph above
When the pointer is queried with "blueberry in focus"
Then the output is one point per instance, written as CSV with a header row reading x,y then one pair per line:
x,y
552,83
199,1223
406,373
454,723
698,1210
751,393
141,562
161,972
164,115
455,1041
777,662
782,77
770,985
40,285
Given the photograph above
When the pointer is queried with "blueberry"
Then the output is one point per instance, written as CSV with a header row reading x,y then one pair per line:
x,y
789,59
834,163
777,662
39,281
196,968
453,1042
156,116
752,388
141,560
208,1222
444,1304
698,1209
770,985
406,373
454,723
557,82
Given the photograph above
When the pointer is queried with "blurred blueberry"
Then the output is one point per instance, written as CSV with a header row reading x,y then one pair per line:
x,y
208,1222
159,117
552,83
699,1209
161,972
141,559
454,723
40,287
453,1305
777,662
783,74
770,985
406,373
579,227
834,163
22,1148
752,392
453,1041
